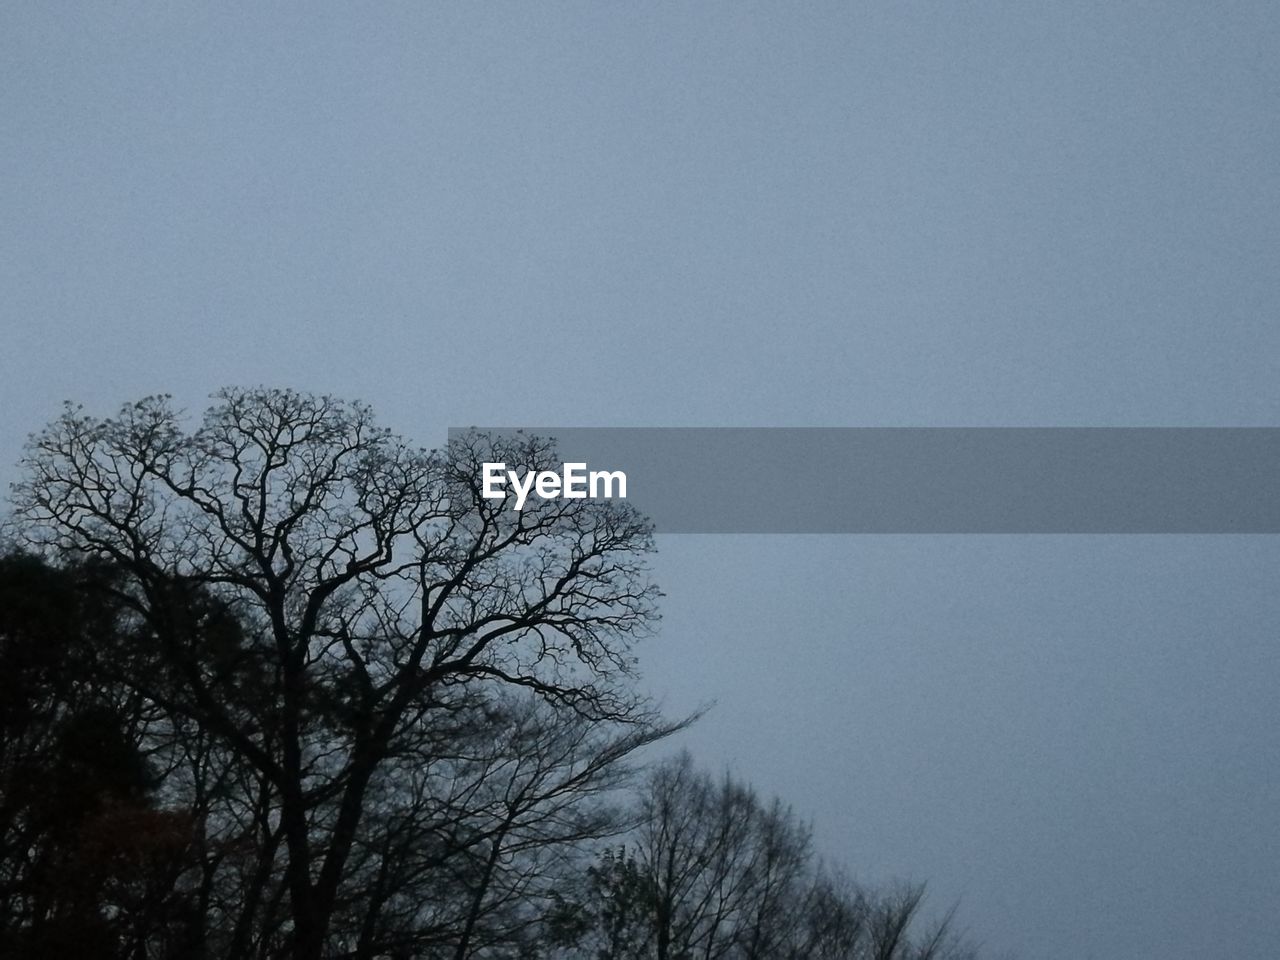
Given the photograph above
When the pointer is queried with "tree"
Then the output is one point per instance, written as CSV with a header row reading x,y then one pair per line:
x,y
714,873
506,808
286,687
724,868
312,601
88,863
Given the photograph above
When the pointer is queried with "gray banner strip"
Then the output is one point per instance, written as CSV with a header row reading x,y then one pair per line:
x,y
940,480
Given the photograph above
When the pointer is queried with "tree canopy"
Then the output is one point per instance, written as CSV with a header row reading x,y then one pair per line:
x,y
284,685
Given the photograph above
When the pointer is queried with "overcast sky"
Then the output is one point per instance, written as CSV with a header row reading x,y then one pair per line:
x,y
950,213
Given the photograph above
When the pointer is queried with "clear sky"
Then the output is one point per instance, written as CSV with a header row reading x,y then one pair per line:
x,y
650,214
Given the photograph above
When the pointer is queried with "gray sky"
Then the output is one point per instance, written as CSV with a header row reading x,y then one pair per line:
x,y
732,214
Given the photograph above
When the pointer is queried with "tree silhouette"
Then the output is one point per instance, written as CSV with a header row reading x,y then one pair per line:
x,y
284,686
714,873
374,592
88,864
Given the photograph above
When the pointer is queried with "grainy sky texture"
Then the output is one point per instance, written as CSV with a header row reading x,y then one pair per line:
x,y
650,214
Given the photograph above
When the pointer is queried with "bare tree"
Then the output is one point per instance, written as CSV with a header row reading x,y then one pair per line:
x,y
724,869
714,873
505,808
371,584
367,713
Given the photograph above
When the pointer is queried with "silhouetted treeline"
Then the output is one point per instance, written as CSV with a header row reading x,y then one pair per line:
x,y
285,686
